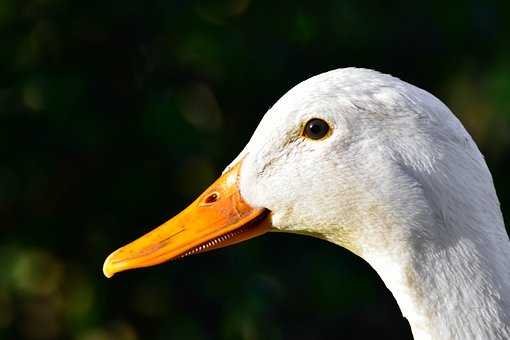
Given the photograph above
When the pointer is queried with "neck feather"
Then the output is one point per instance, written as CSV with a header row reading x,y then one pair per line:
x,y
451,290
449,266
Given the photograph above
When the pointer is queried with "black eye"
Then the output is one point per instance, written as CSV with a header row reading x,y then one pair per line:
x,y
316,129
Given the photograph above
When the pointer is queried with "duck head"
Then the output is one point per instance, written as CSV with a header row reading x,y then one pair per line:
x,y
343,156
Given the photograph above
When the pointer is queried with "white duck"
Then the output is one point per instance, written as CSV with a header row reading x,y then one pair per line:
x,y
375,165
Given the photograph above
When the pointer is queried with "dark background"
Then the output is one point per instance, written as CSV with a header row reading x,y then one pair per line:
x,y
114,115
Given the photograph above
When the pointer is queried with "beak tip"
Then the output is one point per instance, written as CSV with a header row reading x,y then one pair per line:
x,y
108,269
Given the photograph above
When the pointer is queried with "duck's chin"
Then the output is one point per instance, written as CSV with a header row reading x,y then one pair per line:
x,y
344,237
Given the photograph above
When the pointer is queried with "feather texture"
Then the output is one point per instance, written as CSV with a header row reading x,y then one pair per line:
x,y
399,182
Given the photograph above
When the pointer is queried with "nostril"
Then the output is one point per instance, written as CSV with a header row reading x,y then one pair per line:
x,y
213,197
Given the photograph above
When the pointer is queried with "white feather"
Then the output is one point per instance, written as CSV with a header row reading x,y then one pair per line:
x,y
400,183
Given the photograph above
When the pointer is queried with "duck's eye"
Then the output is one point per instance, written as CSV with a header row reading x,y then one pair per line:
x,y
316,129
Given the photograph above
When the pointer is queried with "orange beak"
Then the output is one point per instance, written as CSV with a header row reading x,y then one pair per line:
x,y
218,218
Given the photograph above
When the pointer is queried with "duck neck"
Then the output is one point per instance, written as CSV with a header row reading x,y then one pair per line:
x,y
453,289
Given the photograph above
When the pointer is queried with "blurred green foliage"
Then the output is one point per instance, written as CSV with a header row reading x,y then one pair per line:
x,y
115,114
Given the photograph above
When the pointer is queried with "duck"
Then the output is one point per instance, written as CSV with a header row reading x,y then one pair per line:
x,y
380,167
